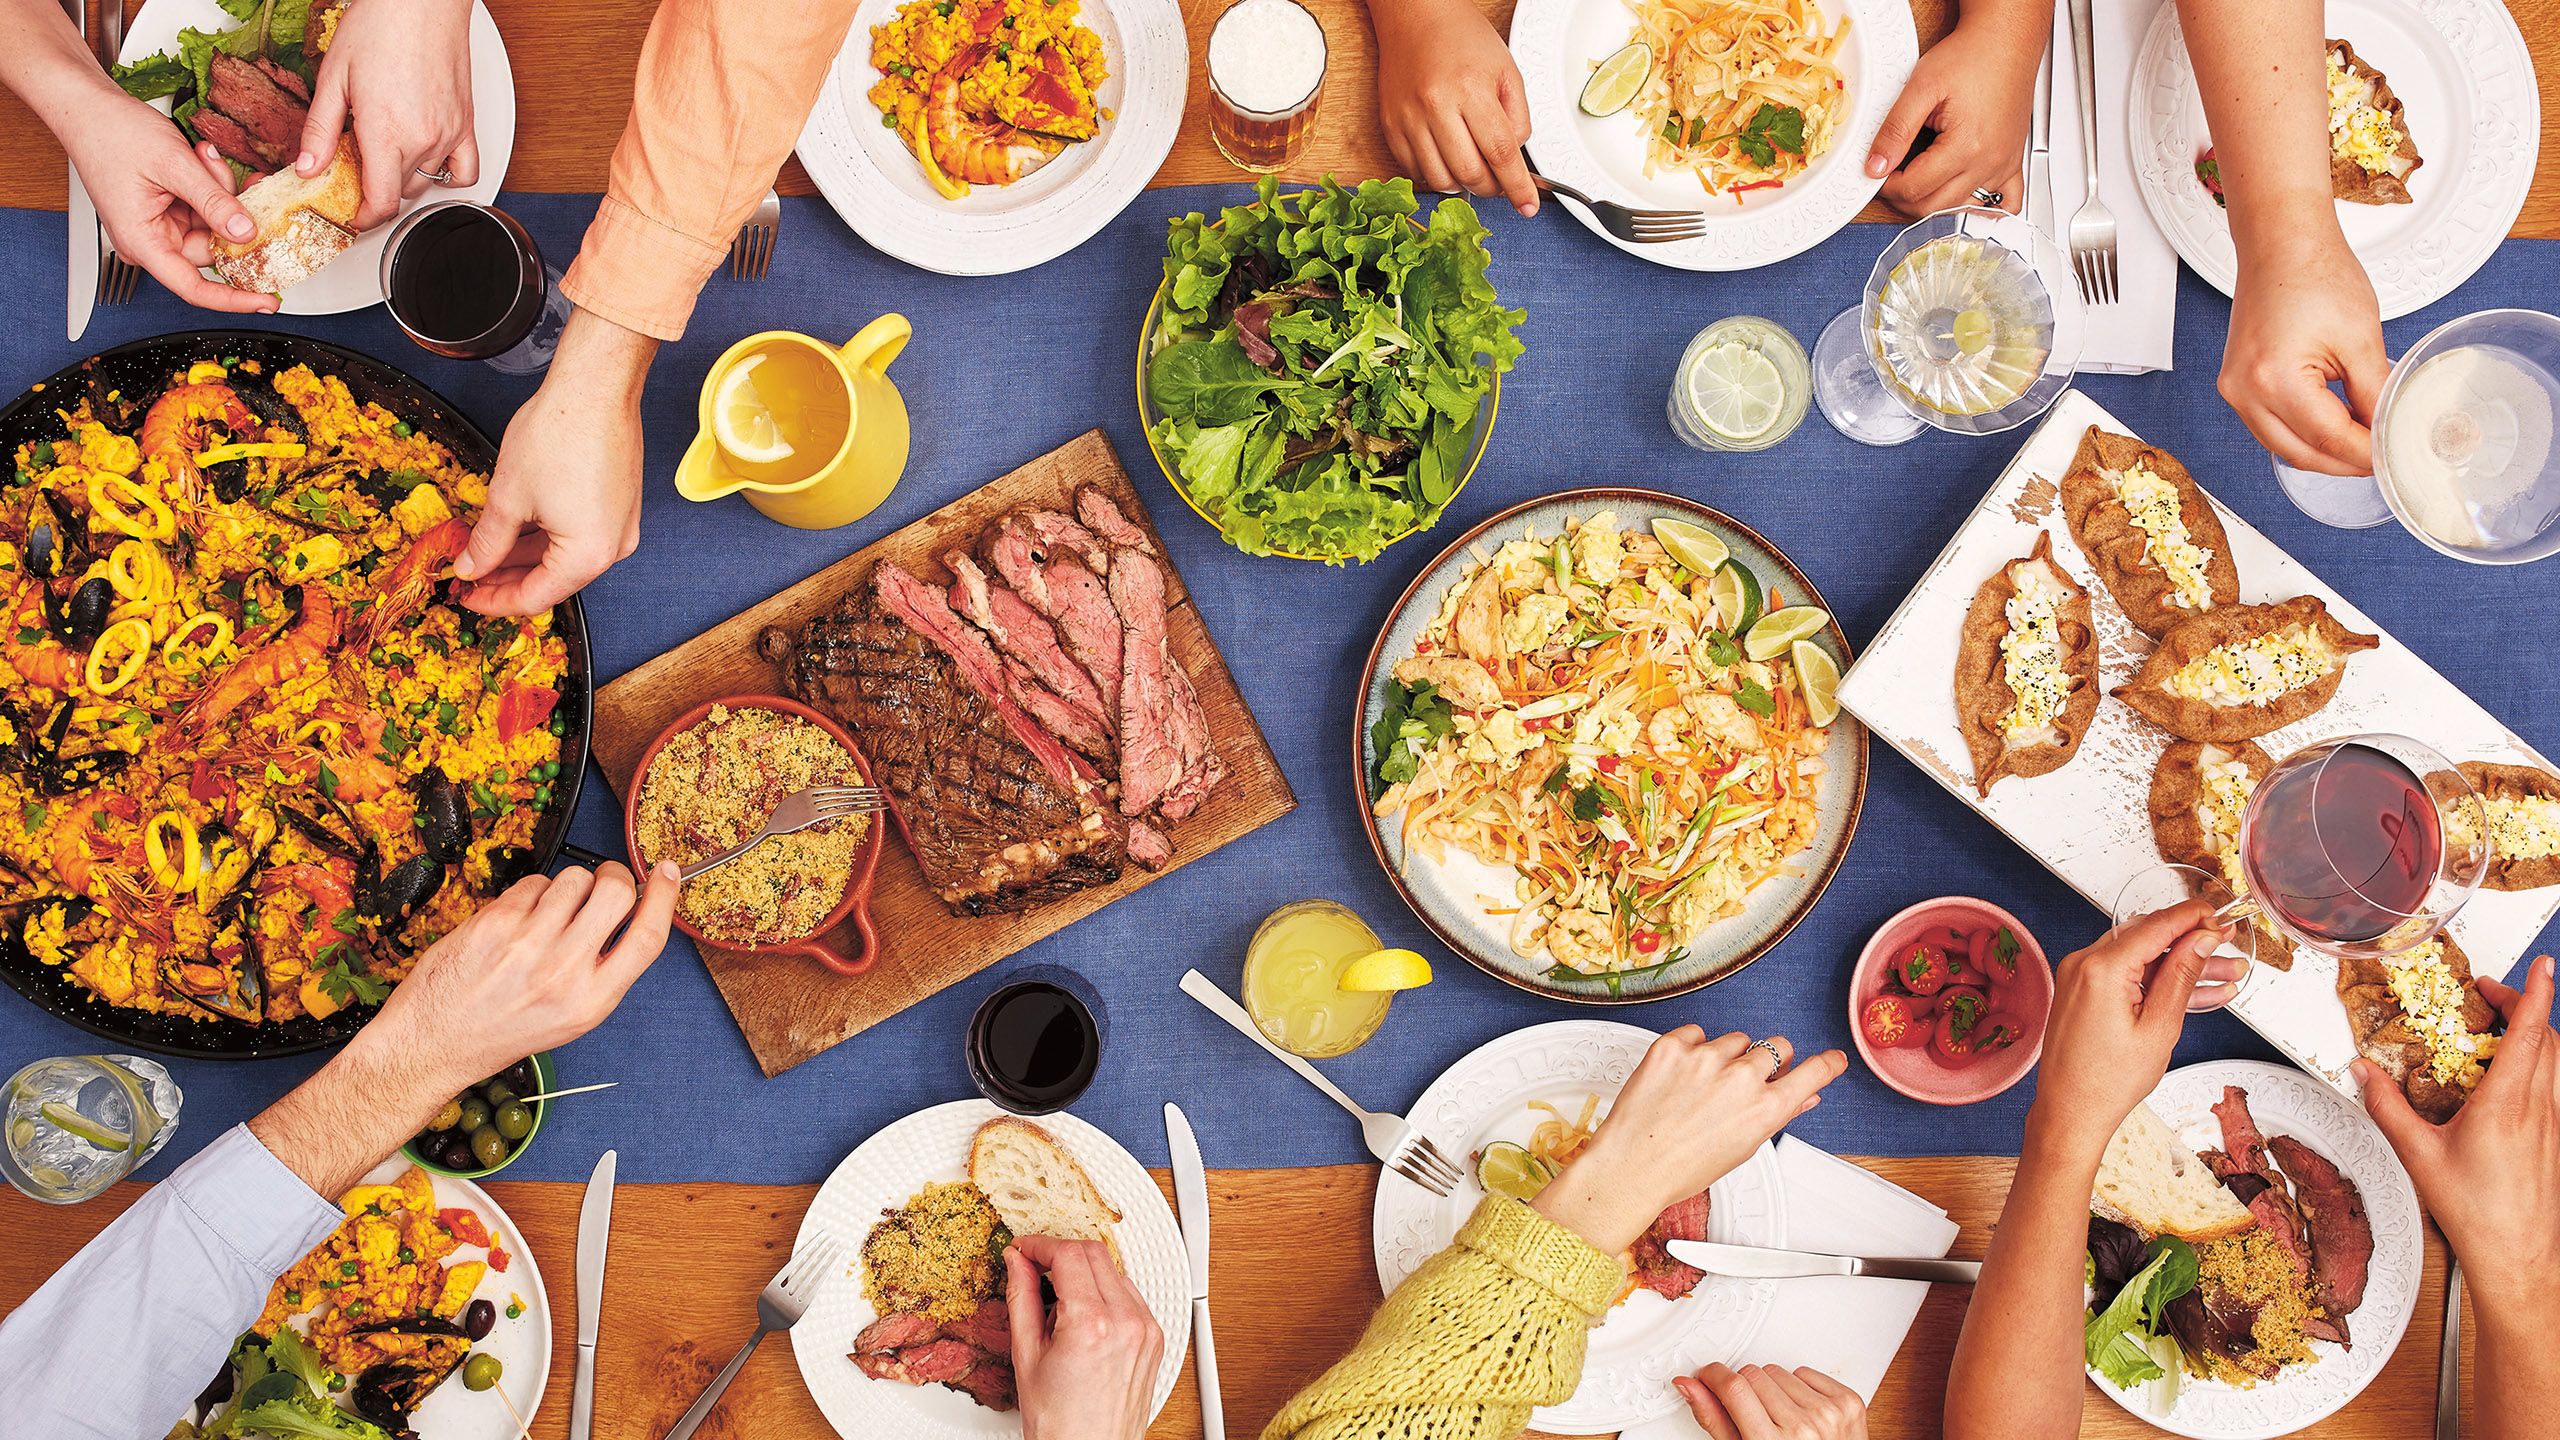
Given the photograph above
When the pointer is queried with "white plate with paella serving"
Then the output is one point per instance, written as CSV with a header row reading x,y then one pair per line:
x,y
1628,102
1598,746
982,137
910,1343
1532,1098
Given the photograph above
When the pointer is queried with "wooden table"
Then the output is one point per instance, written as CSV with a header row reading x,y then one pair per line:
x,y
565,130
1292,1283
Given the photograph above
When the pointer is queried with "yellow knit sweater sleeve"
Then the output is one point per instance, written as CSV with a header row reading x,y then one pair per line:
x,y
1486,1329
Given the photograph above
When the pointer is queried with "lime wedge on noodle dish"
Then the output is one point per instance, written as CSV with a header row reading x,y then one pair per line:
x,y
1820,678
1736,593
1617,80
1510,1170
1694,546
1781,628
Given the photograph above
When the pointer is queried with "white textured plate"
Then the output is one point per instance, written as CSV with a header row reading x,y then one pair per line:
x,y
2465,82
1453,896
869,176
886,1171
1635,1352
354,280
2090,821
522,1345
1556,42
2283,1102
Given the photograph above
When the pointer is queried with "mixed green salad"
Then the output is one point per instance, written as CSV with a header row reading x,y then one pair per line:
x,y
1320,362
270,28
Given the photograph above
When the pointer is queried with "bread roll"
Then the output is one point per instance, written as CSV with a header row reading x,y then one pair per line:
x,y
303,224
2151,1181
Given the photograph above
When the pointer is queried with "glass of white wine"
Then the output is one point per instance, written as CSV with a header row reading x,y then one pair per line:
x,y
2463,444
1970,323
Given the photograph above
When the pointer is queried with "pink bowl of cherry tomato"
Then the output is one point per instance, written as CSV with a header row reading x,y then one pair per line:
x,y
1948,1001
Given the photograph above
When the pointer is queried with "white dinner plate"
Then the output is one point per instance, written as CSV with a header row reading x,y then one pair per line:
x,y
2466,86
886,1171
869,176
1557,42
2287,1102
354,280
1644,1342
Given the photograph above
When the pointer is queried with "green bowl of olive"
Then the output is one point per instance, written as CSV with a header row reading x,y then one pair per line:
x,y
482,1130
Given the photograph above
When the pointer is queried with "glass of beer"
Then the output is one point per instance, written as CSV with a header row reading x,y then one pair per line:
x,y
1266,77
466,281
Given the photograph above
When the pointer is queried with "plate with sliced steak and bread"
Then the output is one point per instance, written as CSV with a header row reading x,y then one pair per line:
x,y
1027,679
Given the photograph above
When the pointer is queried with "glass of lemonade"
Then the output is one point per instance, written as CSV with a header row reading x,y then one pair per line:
x,y
1266,80
1743,384
1292,980
77,1124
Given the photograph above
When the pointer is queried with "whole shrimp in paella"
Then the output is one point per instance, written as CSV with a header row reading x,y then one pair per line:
x,y
252,757
987,91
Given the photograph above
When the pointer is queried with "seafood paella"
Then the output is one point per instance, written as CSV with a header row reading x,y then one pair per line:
x,y
253,758
987,91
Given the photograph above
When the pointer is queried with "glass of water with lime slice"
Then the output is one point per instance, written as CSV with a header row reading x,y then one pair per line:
x,y
74,1125
1743,384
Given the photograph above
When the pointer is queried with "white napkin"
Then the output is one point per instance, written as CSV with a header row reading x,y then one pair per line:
x,y
1847,1328
2134,334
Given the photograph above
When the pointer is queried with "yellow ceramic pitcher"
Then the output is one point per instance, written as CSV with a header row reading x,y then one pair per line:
x,y
851,422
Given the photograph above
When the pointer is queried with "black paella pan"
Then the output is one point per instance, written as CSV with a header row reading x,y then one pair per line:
x,y
141,369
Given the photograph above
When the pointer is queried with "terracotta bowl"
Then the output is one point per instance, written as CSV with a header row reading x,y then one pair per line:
x,y
1917,1071
866,862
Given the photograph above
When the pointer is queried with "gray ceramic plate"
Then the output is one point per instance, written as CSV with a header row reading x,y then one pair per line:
x,y
1447,895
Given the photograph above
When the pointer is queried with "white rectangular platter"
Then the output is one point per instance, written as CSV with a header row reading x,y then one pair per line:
x,y
2089,822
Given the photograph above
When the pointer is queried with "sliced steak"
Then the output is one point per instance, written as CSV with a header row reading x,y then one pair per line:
x,y
2241,1140
1104,519
269,113
990,1383
2283,1224
1148,845
1056,530
2341,1236
1655,1269
1083,732
929,611
226,135
286,80
989,1327
991,805
940,1362
895,1331
1160,714
1060,587
1021,633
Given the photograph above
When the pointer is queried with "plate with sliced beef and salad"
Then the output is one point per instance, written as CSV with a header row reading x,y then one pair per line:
x,y
1520,1107
913,1341
2255,1250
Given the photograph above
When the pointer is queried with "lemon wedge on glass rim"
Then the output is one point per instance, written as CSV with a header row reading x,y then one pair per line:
x,y
1386,970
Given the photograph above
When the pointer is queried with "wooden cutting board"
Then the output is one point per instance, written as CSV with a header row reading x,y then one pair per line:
x,y
792,1008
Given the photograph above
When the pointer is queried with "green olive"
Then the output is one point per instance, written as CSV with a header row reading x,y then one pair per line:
x,y
514,1120
448,1118
489,1148
480,1372
497,1093
473,1113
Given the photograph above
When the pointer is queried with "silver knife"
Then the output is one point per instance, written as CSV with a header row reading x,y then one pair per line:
x,y
87,240
2040,144
595,1227
1191,1203
1750,1262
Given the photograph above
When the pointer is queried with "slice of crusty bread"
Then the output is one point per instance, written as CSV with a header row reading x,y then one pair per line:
x,y
303,224
2151,1181
1037,1186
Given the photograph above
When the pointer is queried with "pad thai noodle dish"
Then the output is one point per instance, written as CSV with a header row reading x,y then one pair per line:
x,y
253,758
1582,709
987,91
1744,94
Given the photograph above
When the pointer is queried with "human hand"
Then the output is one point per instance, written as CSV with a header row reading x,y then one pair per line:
x,y
1763,1402
2118,1006
2302,315
2491,1174
564,502
1087,1370
528,971
1693,1110
405,72
159,199
1976,89
1452,102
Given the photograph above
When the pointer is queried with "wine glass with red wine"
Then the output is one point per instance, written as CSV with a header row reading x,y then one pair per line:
x,y
2363,846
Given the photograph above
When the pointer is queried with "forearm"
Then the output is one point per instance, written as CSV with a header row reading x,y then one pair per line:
x,y
2515,1389
1413,19
373,1095
44,62
2260,71
602,360
2026,16
2018,1369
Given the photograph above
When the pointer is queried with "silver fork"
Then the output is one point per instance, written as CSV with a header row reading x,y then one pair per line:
x,y
2093,226
1391,1138
778,1308
1636,227
118,276
751,254
813,806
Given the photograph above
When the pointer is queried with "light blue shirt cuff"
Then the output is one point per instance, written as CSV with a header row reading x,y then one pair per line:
x,y
245,1198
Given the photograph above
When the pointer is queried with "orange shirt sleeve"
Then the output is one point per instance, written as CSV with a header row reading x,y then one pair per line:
x,y
723,90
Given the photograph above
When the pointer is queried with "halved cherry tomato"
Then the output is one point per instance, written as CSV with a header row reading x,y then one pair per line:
x,y
2000,959
1965,972
1923,969
523,709
1961,1009
1891,1022
1998,1032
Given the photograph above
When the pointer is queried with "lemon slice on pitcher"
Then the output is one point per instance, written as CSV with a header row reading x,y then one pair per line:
x,y
741,420
1386,970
